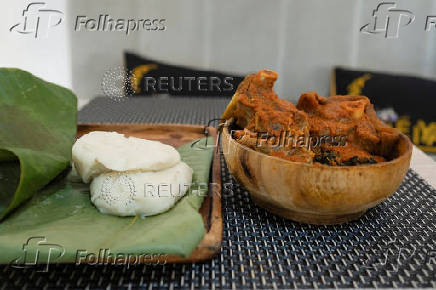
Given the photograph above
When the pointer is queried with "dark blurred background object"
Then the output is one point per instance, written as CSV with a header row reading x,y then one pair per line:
x,y
407,103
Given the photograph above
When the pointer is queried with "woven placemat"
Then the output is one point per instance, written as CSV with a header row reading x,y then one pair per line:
x,y
392,245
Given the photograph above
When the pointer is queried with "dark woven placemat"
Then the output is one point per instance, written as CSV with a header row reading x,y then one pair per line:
x,y
193,110
392,245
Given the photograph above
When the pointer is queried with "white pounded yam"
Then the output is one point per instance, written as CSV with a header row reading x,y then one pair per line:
x,y
99,152
140,193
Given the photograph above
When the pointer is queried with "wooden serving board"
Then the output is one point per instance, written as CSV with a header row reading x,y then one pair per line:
x,y
177,135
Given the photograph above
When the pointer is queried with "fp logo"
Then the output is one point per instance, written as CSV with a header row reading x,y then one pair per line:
x,y
392,257
388,20
37,21
36,251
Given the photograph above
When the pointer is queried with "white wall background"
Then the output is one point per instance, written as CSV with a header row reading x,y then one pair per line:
x,y
47,57
301,39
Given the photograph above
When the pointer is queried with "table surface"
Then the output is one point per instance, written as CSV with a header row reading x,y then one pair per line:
x,y
392,245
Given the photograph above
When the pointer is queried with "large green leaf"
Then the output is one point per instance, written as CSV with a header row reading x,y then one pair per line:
x,y
63,215
37,130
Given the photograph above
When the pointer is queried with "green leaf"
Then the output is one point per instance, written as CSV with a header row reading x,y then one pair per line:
x,y
63,214
37,129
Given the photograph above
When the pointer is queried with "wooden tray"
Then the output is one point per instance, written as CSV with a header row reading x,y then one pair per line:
x,y
177,135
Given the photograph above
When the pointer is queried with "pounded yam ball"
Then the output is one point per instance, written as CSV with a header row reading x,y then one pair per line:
x,y
99,152
140,193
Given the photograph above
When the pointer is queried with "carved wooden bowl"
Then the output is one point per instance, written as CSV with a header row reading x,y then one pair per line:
x,y
315,194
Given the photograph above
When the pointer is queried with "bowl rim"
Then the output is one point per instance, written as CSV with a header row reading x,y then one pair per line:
x,y
406,155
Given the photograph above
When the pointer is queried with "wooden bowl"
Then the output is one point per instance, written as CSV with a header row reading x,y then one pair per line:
x,y
315,194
